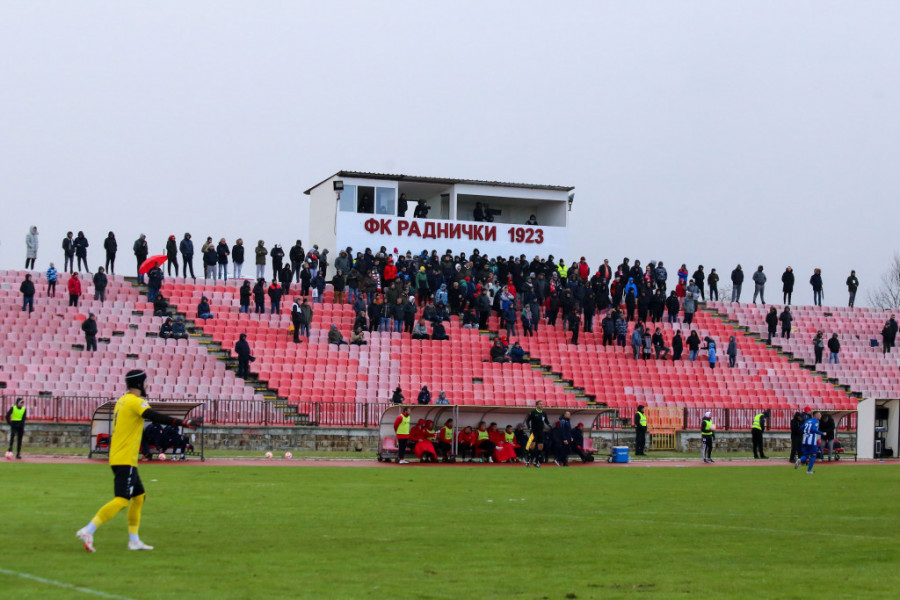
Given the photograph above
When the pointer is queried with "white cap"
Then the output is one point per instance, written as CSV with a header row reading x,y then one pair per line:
x,y
707,414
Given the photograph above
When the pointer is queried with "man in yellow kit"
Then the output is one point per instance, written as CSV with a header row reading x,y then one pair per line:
x,y
128,426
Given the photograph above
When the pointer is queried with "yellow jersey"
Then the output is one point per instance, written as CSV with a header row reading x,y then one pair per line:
x,y
128,428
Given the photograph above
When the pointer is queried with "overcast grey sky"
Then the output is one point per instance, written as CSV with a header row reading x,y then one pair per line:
x,y
697,132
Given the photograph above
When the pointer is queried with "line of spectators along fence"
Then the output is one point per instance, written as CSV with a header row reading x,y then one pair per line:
x,y
80,409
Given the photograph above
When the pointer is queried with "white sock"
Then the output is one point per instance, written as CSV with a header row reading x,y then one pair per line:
x,y
90,527
133,537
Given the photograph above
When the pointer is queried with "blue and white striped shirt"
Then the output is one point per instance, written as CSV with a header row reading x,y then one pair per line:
x,y
810,431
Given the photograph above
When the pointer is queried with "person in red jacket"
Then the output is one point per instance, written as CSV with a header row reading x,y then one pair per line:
x,y
390,272
445,440
424,449
402,429
503,452
465,444
484,446
74,289
584,270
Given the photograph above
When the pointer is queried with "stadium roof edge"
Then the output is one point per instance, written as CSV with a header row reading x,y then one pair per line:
x,y
440,180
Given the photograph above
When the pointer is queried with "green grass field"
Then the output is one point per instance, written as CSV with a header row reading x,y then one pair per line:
x,y
458,532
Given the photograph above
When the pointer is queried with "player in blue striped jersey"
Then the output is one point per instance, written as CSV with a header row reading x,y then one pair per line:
x,y
810,447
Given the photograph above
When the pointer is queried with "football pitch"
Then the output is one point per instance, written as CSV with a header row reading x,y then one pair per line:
x,y
457,532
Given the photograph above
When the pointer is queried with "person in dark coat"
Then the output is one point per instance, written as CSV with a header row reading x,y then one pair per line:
x,y
27,289
565,439
424,395
89,327
275,294
68,246
242,349
81,246
828,427
834,348
245,292
154,283
186,247
222,254
731,352
285,277
888,335
111,247
787,284
816,282
210,260
737,281
141,251
171,255
673,306
772,323
203,310
237,258
852,286
100,283
259,296
277,256
166,330
786,319
796,435
677,346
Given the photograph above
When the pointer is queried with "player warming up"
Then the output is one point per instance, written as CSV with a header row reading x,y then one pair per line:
x,y
128,426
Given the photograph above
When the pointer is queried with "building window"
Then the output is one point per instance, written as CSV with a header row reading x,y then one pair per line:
x,y
385,201
348,199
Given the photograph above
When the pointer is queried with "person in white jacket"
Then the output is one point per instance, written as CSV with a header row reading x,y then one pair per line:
x,y
31,247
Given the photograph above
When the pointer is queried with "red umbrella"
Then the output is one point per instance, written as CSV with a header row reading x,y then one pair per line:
x,y
153,261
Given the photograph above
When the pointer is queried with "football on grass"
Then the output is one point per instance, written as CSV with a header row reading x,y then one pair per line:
x,y
268,455
9,455
288,455
161,456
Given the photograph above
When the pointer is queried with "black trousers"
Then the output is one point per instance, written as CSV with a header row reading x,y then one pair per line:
x,y
16,430
90,343
110,265
795,447
443,449
173,262
188,263
243,369
706,447
757,443
401,448
640,440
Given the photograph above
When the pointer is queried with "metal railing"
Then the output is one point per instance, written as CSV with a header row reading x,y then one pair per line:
x,y
264,413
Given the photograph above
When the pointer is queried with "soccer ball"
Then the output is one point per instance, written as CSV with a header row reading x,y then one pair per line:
x,y
9,455
161,456
268,455
288,455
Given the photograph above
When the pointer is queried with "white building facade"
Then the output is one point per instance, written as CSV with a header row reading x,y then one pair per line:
x,y
365,210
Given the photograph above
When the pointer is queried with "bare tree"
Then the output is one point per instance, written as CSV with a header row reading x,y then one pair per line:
x,y
887,294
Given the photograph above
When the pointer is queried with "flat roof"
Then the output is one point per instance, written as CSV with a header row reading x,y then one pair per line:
x,y
440,180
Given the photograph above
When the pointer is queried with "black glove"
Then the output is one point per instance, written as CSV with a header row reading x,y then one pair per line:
x,y
192,424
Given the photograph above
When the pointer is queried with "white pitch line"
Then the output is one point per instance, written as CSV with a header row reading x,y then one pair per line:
x,y
62,584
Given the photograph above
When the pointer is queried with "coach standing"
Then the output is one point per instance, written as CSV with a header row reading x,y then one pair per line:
x,y
640,431
401,428
15,418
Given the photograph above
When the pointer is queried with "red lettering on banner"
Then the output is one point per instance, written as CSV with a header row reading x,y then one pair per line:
x,y
429,232
443,230
402,226
490,233
477,229
386,226
466,230
372,225
414,230
454,231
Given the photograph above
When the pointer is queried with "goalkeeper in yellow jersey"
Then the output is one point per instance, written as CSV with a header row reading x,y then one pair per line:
x,y
128,426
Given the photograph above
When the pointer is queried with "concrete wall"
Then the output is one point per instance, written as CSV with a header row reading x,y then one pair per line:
x,y
726,441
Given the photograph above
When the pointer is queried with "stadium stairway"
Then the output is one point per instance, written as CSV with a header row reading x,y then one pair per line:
x,y
863,371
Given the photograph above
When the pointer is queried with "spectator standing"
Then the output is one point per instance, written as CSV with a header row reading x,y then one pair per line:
x,y
731,351
693,343
100,284
171,255
27,289
31,247
819,346
111,246
786,319
275,294
711,353
68,246
245,292
640,431
772,323
852,286
673,306
713,281
828,427
796,435
677,346
89,327
242,349
759,285
689,306
637,341
816,282
52,277
154,282
259,296
237,258
737,280
296,255
834,347
277,256
186,247
210,261
74,287
285,278
140,254
222,254
81,246
565,438
261,254
787,284
888,335
699,277
15,418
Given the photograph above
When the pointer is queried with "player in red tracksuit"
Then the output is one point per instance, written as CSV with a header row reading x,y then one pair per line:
x,y
465,443
424,449
503,452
